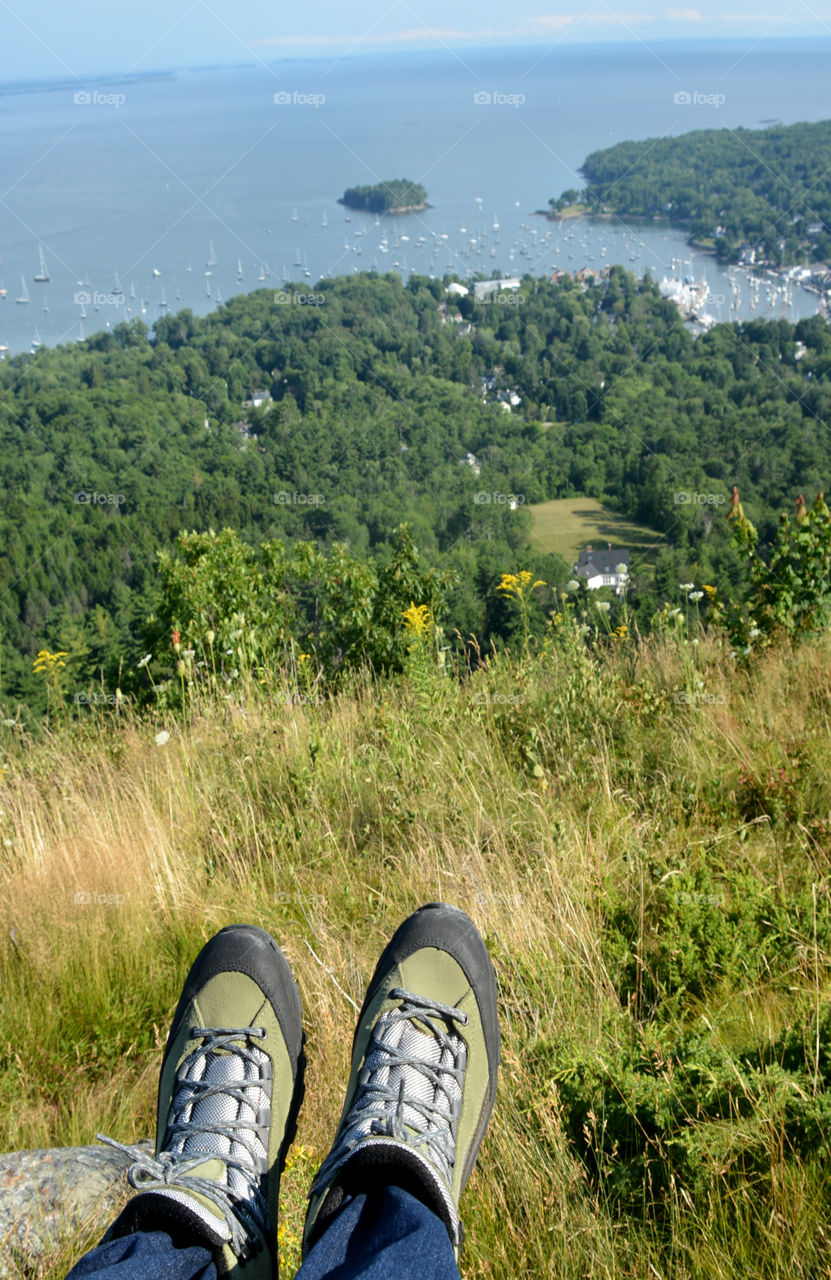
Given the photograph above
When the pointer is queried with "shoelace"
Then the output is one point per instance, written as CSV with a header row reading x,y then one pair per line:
x,y
384,1105
246,1211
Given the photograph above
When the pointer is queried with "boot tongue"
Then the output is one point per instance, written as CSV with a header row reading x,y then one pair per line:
x,y
236,1078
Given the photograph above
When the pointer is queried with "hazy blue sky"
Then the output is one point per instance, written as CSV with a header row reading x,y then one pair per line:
x,y
52,39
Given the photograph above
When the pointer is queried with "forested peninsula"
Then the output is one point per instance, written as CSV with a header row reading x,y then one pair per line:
x,y
765,190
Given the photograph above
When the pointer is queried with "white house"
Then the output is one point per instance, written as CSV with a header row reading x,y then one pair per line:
x,y
482,288
609,568
458,289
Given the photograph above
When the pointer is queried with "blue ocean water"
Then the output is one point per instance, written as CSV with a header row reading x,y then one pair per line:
x,y
146,184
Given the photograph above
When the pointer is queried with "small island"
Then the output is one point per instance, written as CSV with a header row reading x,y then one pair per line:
x,y
397,195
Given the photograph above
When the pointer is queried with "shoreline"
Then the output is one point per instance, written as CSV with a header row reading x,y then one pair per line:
x,y
384,213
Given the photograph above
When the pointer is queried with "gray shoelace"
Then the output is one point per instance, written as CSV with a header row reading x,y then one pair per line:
x,y
200,1124
422,1105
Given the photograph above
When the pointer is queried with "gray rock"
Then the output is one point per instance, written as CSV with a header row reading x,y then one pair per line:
x,y
46,1195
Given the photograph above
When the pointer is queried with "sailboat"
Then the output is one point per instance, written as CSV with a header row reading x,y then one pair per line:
x,y
298,262
261,276
284,274
306,271
239,268
207,288
24,292
132,289
188,267
218,296
42,276
212,260
324,221
2,291
294,214
36,340
117,289
163,302
83,310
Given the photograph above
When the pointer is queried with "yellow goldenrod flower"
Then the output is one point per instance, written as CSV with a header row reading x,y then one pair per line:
x,y
417,619
711,591
515,584
46,661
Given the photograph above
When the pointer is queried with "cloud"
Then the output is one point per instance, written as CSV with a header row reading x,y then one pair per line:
x,y
537,24
685,15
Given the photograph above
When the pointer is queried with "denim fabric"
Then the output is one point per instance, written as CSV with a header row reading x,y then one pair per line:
x,y
387,1235
146,1255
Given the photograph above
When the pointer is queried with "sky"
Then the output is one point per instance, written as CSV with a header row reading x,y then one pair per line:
x,y
53,40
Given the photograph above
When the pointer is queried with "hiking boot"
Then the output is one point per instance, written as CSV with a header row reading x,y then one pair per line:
x,y
425,1059
230,1088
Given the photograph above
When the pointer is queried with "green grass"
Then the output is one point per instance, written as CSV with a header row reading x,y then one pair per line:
x,y
564,526
650,873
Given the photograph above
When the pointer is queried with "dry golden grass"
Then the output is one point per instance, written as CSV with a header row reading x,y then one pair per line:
x,y
328,824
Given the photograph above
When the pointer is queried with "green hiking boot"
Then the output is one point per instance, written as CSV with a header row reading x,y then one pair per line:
x,y
229,1093
425,1060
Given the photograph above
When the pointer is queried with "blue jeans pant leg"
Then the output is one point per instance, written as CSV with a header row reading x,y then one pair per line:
x,y
384,1235
146,1255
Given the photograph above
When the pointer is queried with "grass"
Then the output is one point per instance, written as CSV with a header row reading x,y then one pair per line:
x,y
665,1086
564,526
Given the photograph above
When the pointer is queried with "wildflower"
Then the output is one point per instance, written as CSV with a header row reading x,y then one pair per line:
x,y
143,662
119,696
686,586
621,568
162,737
696,595
180,668
572,584
417,619
210,636
46,661
557,619
621,632
515,584
673,613
711,591
189,653
175,639
604,606
754,632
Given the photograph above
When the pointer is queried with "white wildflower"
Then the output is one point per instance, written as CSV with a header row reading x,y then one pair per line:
x,y
604,606
686,586
696,595
162,738
572,584
754,632
143,662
